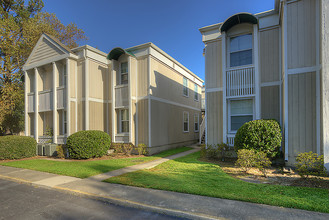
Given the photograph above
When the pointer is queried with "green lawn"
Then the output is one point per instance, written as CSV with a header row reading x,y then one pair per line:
x,y
189,175
84,169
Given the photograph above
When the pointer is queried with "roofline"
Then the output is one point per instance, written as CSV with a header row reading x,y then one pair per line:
x,y
89,48
210,27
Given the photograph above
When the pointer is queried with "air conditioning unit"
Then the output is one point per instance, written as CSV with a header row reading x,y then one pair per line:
x,y
46,150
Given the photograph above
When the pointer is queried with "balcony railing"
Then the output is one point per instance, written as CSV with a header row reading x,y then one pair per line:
x,y
240,82
45,101
121,96
60,97
30,101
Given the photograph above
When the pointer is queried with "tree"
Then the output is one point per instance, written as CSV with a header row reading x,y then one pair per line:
x,y
21,25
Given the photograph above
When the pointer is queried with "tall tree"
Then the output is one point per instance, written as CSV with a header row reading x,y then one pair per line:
x,y
21,25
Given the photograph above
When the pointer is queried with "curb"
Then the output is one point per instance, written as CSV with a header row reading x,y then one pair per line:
x,y
121,202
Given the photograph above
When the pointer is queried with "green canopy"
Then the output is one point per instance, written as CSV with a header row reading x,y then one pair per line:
x,y
238,19
117,52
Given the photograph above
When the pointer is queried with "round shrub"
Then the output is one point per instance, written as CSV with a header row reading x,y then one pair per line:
x,y
17,147
88,144
260,135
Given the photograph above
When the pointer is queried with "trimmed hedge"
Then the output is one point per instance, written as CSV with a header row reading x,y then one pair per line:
x,y
88,144
260,135
17,147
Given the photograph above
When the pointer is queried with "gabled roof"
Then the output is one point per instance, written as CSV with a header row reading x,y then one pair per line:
x,y
58,42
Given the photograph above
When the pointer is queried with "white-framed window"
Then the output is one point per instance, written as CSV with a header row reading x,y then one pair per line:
x,y
185,121
196,95
241,50
124,73
124,120
240,112
185,87
64,122
196,122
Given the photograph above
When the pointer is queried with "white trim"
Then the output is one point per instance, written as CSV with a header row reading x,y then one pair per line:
x,y
280,75
86,94
36,105
136,122
46,61
54,102
214,90
68,106
188,122
317,79
224,87
285,40
257,73
113,100
26,116
304,69
76,95
173,103
149,100
275,83
129,97
198,121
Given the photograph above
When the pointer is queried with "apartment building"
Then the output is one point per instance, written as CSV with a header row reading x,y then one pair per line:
x,y
137,95
271,65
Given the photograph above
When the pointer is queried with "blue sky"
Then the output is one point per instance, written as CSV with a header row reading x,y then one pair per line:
x,y
170,24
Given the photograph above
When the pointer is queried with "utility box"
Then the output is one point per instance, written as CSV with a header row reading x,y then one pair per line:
x,y
46,150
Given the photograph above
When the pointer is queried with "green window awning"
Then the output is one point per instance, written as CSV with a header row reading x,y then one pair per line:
x,y
117,52
238,19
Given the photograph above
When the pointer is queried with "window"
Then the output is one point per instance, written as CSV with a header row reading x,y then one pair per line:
x,y
196,95
124,73
185,87
196,122
241,111
124,120
64,122
64,75
185,122
241,50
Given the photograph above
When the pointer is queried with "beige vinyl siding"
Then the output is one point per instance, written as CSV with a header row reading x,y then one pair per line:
x,y
81,80
44,51
30,81
133,121
133,76
270,102
31,123
167,84
45,78
143,121
142,82
301,33
167,124
269,55
81,116
302,114
215,117
72,78
98,80
213,64
110,120
97,116
72,118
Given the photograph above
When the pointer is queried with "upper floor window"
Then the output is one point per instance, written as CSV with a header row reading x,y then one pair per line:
x,y
185,86
124,73
241,50
196,95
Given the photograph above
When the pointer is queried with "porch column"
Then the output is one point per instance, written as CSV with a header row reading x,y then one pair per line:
x,y
224,88
55,72
86,94
36,104
26,116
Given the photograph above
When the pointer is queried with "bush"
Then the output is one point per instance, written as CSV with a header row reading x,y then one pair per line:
x,y
246,159
142,149
219,151
310,163
88,144
16,147
60,151
128,148
260,135
262,162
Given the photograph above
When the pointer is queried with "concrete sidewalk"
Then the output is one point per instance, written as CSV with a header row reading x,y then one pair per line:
x,y
172,203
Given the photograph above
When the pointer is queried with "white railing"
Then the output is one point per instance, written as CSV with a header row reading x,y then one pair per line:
x,y
121,96
60,97
240,82
45,100
30,102
45,139
202,129
230,140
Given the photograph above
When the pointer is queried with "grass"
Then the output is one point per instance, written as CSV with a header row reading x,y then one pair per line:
x,y
84,169
189,175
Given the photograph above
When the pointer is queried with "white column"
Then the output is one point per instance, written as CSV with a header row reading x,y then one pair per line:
x,y
86,94
317,78
224,87
129,98
257,74
26,116
285,23
68,105
114,123
55,72
36,104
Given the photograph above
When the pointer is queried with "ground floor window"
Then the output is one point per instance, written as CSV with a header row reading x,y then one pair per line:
x,y
124,120
196,122
240,112
185,121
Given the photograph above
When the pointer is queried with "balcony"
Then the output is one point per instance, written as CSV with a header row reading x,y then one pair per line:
x,y
121,96
61,98
45,100
30,101
240,82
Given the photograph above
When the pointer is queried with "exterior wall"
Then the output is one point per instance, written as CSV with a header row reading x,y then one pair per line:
x,y
72,118
213,54
98,81
142,81
143,119
214,112
97,116
270,102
